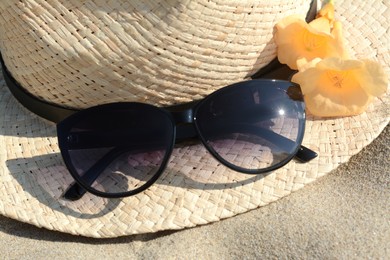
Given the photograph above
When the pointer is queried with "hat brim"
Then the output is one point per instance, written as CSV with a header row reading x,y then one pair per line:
x,y
195,189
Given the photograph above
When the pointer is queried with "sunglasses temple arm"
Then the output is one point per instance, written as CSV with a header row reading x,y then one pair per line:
x,y
76,191
305,154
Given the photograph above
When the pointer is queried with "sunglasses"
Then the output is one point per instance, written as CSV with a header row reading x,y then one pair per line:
x,y
120,149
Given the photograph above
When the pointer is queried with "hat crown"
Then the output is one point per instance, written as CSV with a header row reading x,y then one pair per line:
x,y
83,53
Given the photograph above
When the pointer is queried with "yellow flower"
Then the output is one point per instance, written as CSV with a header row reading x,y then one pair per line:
x,y
296,39
336,87
327,11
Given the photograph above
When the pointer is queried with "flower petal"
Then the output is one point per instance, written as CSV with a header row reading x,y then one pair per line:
x,y
307,79
335,63
338,104
373,78
327,11
286,56
282,24
335,87
321,25
337,32
303,64
297,39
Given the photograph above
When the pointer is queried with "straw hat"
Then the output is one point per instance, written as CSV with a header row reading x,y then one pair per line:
x,y
81,53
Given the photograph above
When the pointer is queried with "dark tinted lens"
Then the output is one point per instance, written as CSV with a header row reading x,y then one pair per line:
x,y
119,147
253,125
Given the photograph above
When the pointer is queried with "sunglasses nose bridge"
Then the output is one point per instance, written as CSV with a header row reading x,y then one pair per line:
x,y
183,117
182,113
184,121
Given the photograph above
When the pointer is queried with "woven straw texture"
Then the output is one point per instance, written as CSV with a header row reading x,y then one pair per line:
x,y
81,53
195,189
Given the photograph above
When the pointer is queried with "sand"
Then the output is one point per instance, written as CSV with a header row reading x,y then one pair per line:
x,y
344,215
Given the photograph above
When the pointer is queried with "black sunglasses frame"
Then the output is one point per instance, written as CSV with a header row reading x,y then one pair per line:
x,y
184,123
